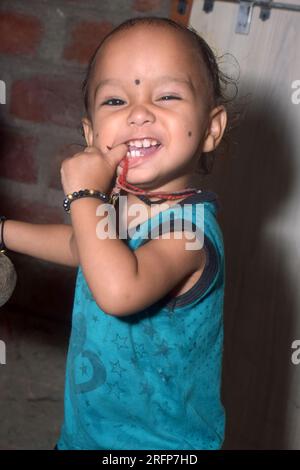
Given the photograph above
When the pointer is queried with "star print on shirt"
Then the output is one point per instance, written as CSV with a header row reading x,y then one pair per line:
x,y
140,350
149,330
120,339
115,389
117,369
162,349
160,410
83,369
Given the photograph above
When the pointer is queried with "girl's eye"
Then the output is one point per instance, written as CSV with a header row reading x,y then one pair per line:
x,y
114,102
170,96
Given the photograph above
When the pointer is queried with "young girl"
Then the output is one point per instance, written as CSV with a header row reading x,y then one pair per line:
x,y
144,361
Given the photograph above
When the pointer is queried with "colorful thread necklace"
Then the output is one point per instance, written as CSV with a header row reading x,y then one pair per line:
x,y
121,183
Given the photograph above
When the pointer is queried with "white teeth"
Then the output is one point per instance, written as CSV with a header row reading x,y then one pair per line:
x,y
136,153
142,143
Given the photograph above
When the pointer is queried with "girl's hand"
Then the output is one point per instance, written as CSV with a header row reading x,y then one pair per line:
x,y
91,169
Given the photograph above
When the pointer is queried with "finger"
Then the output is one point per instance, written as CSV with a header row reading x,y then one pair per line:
x,y
117,153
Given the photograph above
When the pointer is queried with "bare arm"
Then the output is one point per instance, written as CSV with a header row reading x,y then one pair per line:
x,y
122,281
49,242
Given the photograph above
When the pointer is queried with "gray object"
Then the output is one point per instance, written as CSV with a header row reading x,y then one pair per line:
x,y
246,9
8,278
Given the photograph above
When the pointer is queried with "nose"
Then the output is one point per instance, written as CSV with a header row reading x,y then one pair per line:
x,y
140,115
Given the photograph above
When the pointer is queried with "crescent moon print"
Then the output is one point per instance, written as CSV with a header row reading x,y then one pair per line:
x,y
98,373
98,377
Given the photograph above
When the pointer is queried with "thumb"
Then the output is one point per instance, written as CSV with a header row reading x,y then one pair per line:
x,y
116,154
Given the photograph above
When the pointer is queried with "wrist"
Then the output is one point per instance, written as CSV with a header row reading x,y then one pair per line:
x,y
84,193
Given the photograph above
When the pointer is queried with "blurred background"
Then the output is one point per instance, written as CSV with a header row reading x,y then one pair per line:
x,y
45,46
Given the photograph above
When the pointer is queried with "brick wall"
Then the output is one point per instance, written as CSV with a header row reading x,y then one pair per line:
x,y
44,49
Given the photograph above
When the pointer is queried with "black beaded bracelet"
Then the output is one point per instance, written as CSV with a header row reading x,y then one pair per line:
x,y
3,248
83,193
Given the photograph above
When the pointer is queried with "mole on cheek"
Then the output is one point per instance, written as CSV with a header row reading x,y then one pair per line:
x,y
190,133
137,82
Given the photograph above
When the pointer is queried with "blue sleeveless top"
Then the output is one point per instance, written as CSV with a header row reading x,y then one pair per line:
x,y
151,380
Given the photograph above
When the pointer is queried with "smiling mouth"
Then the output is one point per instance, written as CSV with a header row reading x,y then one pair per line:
x,y
142,147
140,151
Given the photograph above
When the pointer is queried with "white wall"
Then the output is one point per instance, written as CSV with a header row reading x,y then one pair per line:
x,y
259,191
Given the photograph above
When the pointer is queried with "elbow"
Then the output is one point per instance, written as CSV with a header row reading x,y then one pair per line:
x,y
115,309
119,299
116,305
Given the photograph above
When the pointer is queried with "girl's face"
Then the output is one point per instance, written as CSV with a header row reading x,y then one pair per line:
x,y
146,83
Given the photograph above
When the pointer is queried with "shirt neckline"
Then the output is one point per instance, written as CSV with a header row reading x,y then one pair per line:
x,y
199,197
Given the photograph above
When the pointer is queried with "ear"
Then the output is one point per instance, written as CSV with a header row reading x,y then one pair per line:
x,y
216,128
88,132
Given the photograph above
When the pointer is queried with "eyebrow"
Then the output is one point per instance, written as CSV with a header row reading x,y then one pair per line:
x,y
107,81
187,81
163,78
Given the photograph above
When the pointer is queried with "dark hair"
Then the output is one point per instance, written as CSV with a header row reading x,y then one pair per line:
x,y
218,80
